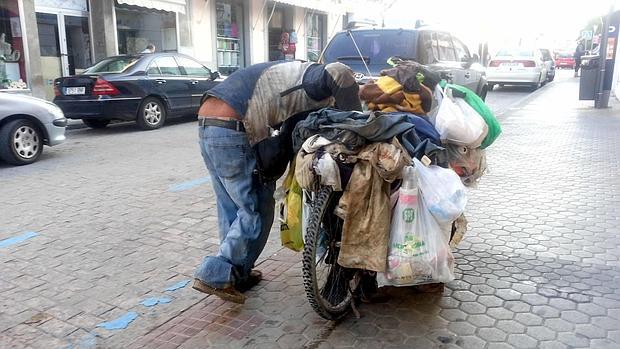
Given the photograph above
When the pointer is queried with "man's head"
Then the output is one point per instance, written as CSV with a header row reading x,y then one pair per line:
x,y
150,47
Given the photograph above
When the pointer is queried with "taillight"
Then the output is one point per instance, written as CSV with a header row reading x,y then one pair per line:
x,y
56,91
104,88
494,63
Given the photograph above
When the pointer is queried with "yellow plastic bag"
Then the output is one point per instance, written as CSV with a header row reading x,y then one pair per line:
x,y
291,216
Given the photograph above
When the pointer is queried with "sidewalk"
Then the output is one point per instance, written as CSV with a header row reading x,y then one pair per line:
x,y
539,266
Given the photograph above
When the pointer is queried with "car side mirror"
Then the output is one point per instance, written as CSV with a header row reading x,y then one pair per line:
x,y
475,58
215,75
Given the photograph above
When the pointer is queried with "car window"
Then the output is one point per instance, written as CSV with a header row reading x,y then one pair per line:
x,y
168,66
153,69
375,45
446,50
113,65
193,68
462,53
428,48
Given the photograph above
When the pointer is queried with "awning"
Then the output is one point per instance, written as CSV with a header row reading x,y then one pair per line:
x,y
317,5
164,5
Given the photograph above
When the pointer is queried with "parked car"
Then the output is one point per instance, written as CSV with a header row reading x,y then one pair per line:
x,y
517,66
549,63
438,49
565,59
147,88
26,124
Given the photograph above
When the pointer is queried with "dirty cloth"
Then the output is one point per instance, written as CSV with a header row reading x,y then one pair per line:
x,y
365,206
355,129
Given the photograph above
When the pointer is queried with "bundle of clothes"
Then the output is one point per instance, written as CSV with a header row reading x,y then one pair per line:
x,y
364,155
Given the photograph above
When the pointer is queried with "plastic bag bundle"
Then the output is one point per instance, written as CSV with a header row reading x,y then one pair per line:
x,y
291,217
458,123
444,193
469,164
419,252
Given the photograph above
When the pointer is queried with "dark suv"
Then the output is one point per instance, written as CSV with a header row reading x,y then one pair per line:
x,y
438,49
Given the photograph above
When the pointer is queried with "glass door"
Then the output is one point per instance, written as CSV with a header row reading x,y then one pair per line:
x,y
65,46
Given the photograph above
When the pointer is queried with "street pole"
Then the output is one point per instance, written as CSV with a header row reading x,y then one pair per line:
x,y
599,101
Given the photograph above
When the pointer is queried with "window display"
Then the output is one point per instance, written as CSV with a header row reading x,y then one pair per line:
x,y
229,36
314,36
137,27
12,63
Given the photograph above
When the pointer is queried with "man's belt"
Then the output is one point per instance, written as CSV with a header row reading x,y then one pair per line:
x,y
230,124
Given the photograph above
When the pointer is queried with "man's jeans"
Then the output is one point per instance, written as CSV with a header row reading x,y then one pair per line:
x,y
245,207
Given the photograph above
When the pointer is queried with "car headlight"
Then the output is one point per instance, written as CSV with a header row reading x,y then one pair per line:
x,y
54,110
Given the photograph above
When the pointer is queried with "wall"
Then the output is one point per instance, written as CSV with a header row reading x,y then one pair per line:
x,y
203,31
258,32
33,53
103,28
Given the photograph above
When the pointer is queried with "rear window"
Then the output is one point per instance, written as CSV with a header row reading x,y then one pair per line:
x,y
516,53
564,55
375,45
112,65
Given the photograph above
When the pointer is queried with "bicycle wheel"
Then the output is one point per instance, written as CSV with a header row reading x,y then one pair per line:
x,y
326,282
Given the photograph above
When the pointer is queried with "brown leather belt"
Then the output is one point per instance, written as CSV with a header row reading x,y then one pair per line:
x,y
220,122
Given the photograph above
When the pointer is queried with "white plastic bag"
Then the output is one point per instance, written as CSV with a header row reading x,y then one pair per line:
x,y
418,252
443,192
459,123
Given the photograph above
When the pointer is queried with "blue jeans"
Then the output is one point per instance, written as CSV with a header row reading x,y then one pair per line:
x,y
245,207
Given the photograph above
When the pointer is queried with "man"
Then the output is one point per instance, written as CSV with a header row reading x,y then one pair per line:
x,y
239,114
579,51
150,48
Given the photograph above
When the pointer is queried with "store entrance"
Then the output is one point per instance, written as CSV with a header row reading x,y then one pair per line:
x,y
282,35
64,40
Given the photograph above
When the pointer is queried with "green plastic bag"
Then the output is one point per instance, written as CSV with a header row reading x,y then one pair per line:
x,y
292,214
478,104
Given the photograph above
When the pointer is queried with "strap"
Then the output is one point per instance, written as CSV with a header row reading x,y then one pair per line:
x,y
291,90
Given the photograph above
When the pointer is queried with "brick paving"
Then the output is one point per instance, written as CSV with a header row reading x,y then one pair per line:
x,y
538,267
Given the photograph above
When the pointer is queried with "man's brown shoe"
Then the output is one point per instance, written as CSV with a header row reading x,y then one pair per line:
x,y
254,278
229,294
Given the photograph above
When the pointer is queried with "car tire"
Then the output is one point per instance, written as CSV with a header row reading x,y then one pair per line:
x,y
21,142
490,87
549,79
96,123
483,93
152,114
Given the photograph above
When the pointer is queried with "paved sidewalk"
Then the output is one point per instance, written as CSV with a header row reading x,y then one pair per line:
x,y
113,226
539,267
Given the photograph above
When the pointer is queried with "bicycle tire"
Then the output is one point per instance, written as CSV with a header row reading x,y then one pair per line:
x,y
333,300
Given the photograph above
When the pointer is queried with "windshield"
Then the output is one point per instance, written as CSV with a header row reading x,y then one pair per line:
x,y
516,52
376,46
112,65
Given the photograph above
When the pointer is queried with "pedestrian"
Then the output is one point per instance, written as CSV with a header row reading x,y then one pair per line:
x,y
150,48
579,51
236,117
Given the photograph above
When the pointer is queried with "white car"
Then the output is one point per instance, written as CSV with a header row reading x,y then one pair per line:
x,y
518,66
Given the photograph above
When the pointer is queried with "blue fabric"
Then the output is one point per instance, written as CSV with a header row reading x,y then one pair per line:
x,y
237,89
245,207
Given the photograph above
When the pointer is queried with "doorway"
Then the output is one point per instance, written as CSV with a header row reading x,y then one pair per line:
x,y
64,41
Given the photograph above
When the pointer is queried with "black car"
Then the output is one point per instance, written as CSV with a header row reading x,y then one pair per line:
x,y
147,88
367,51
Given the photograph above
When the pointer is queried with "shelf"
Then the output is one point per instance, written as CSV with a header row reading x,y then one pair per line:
x,y
227,38
223,50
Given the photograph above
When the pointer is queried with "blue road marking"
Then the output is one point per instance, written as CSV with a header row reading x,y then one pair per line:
x,y
150,302
178,285
189,185
120,323
17,239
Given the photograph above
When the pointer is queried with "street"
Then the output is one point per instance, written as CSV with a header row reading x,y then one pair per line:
x,y
110,225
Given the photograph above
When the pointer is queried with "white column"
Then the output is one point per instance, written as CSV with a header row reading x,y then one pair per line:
x,y
204,32
300,28
257,24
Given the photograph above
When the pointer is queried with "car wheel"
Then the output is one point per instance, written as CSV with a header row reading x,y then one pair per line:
x,y
22,142
483,93
96,123
152,114
550,78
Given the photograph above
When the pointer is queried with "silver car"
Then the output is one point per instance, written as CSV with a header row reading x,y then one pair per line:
x,y
26,124
517,66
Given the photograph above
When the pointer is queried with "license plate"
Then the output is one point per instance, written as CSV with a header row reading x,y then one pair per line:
x,y
510,64
75,90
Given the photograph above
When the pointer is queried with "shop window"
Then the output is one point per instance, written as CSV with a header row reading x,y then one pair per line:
x,y
229,36
282,35
315,31
12,63
138,26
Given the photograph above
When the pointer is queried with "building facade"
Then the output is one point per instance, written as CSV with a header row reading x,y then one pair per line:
x,y
41,40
